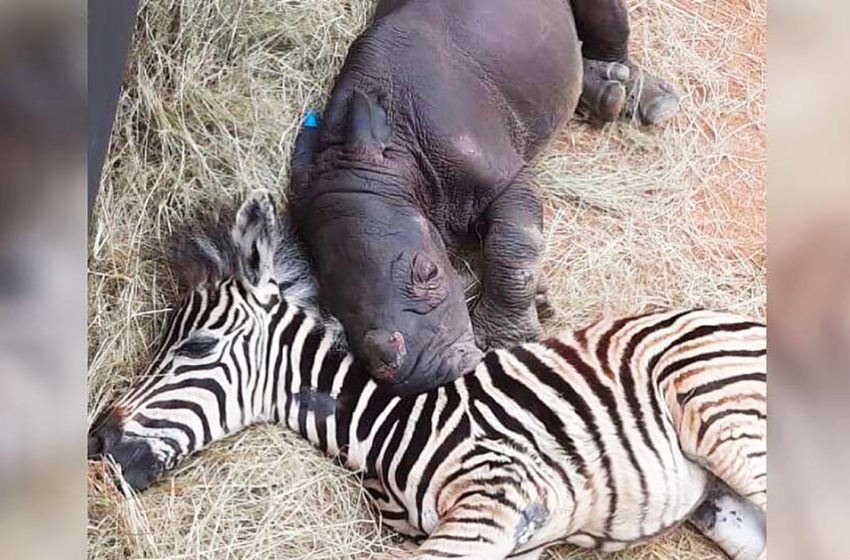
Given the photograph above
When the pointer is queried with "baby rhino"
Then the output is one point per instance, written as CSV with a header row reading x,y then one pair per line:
x,y
425,144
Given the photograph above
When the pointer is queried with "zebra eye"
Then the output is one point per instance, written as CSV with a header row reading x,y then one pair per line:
x,y
197,347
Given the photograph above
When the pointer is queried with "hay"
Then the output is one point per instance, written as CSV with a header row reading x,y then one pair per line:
x,y
213,93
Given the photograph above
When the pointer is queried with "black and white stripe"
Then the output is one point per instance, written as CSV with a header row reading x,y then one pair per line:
x,y
602,437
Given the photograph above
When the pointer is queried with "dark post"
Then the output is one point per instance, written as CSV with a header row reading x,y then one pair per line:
x,y
110,30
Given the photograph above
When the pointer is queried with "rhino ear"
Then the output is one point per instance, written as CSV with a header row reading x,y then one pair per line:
x,y
302,154
368,127
255,237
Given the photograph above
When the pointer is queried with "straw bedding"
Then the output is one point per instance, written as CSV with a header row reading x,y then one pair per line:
x,y
213,93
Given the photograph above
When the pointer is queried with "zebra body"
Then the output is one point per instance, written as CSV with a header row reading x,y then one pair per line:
x,y
602,437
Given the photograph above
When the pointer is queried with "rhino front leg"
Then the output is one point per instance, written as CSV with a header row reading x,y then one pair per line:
x,y
613,85
506,313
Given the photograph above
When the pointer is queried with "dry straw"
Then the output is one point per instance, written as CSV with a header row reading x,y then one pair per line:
x,y
213,92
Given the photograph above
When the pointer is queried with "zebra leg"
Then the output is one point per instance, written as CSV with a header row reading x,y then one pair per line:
x,y
733,523
481,526
731,447
720,415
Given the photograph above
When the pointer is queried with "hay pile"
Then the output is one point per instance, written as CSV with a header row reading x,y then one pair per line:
x,y
213,93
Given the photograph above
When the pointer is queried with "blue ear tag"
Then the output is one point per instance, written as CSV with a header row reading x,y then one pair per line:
x,y
311,119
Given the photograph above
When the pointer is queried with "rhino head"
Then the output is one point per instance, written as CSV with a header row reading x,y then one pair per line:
x,y
382,265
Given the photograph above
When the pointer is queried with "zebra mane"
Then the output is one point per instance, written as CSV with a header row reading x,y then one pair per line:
x,y
202,250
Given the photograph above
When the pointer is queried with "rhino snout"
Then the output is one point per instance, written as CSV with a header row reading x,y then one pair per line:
x,y
441,367
385,353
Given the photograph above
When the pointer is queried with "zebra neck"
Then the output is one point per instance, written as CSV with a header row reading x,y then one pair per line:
x,y
323,394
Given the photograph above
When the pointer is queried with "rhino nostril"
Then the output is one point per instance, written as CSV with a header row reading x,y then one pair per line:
x,y
385,352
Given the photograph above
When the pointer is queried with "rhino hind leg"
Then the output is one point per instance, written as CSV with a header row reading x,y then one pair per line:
x,y
613,85
506,312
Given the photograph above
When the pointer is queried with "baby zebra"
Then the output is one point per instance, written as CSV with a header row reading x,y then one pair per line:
x,y
602,438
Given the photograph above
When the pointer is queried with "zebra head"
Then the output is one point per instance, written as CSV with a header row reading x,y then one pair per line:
x,y
202,383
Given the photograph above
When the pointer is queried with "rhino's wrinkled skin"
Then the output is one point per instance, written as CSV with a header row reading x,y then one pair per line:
x,y
424,144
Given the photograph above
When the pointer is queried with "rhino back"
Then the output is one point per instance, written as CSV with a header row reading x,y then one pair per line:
x,y
473,89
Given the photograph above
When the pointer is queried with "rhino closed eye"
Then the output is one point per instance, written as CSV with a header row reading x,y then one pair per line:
x,y
425,273
427,288
197,347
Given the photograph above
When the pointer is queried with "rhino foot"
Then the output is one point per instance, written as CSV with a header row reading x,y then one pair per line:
x,y
495,327
651,100
603,93
612,90
545,309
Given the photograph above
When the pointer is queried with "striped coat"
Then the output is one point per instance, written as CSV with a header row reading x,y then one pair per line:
x,y
602,437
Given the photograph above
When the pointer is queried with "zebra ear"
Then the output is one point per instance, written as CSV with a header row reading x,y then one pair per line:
x,y
255,237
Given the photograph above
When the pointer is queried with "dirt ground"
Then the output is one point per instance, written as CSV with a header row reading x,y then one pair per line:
x,y
214,91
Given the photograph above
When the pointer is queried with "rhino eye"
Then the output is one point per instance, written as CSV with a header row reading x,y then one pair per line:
x,y
425,271
197,347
